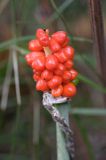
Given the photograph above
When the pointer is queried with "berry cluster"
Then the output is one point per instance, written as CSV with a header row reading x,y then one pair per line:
x,y
51,59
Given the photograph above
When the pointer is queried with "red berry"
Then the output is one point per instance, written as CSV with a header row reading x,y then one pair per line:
x,y
67,76
69,52
61,56
54,46
34,45
69,90
51,62
59,36
41,85
74,74
42,37
32,56
57,91
47,75
54,82
39,63
68,64
60,69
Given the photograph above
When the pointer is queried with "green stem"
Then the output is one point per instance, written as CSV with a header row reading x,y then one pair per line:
x,y
62,153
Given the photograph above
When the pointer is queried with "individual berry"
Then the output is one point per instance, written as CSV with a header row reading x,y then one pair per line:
x,y
74,73
32,56
34,45
69,90
42,37
47,75
60,37
39,63
68,64
60,69
54,82
67,76
41,85
51,62
69,52
61,56
54,45
57,92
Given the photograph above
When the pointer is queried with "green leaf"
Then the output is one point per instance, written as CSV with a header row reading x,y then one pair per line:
x,y
92,83
81,39
88,111
8,43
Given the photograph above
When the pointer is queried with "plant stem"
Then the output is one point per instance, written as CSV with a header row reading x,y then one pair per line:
x,y
61,122
98,36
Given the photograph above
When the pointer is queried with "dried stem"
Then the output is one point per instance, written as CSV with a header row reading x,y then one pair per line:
x,y
98,35
99,43
6,84
61,121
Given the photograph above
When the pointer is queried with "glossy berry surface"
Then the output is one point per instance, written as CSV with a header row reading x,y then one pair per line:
x,y
69,90
34,45
57,92
54,82
47,75
51,59
51,62
60,37
54,45
69,52
41,85
39,64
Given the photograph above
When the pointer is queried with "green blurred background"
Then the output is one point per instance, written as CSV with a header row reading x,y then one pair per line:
x,y
27,131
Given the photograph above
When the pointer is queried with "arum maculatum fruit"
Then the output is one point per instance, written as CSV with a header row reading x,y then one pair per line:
x,y
51,58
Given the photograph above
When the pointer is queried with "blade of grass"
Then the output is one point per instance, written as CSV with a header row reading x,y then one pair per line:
x,y
61,9
82,39
91,83
88,111
36,120
21,50
14,53
16,75
5,45
6,84
61,16
90,62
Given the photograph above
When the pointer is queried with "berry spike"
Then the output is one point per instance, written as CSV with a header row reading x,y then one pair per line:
x,y
51,59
